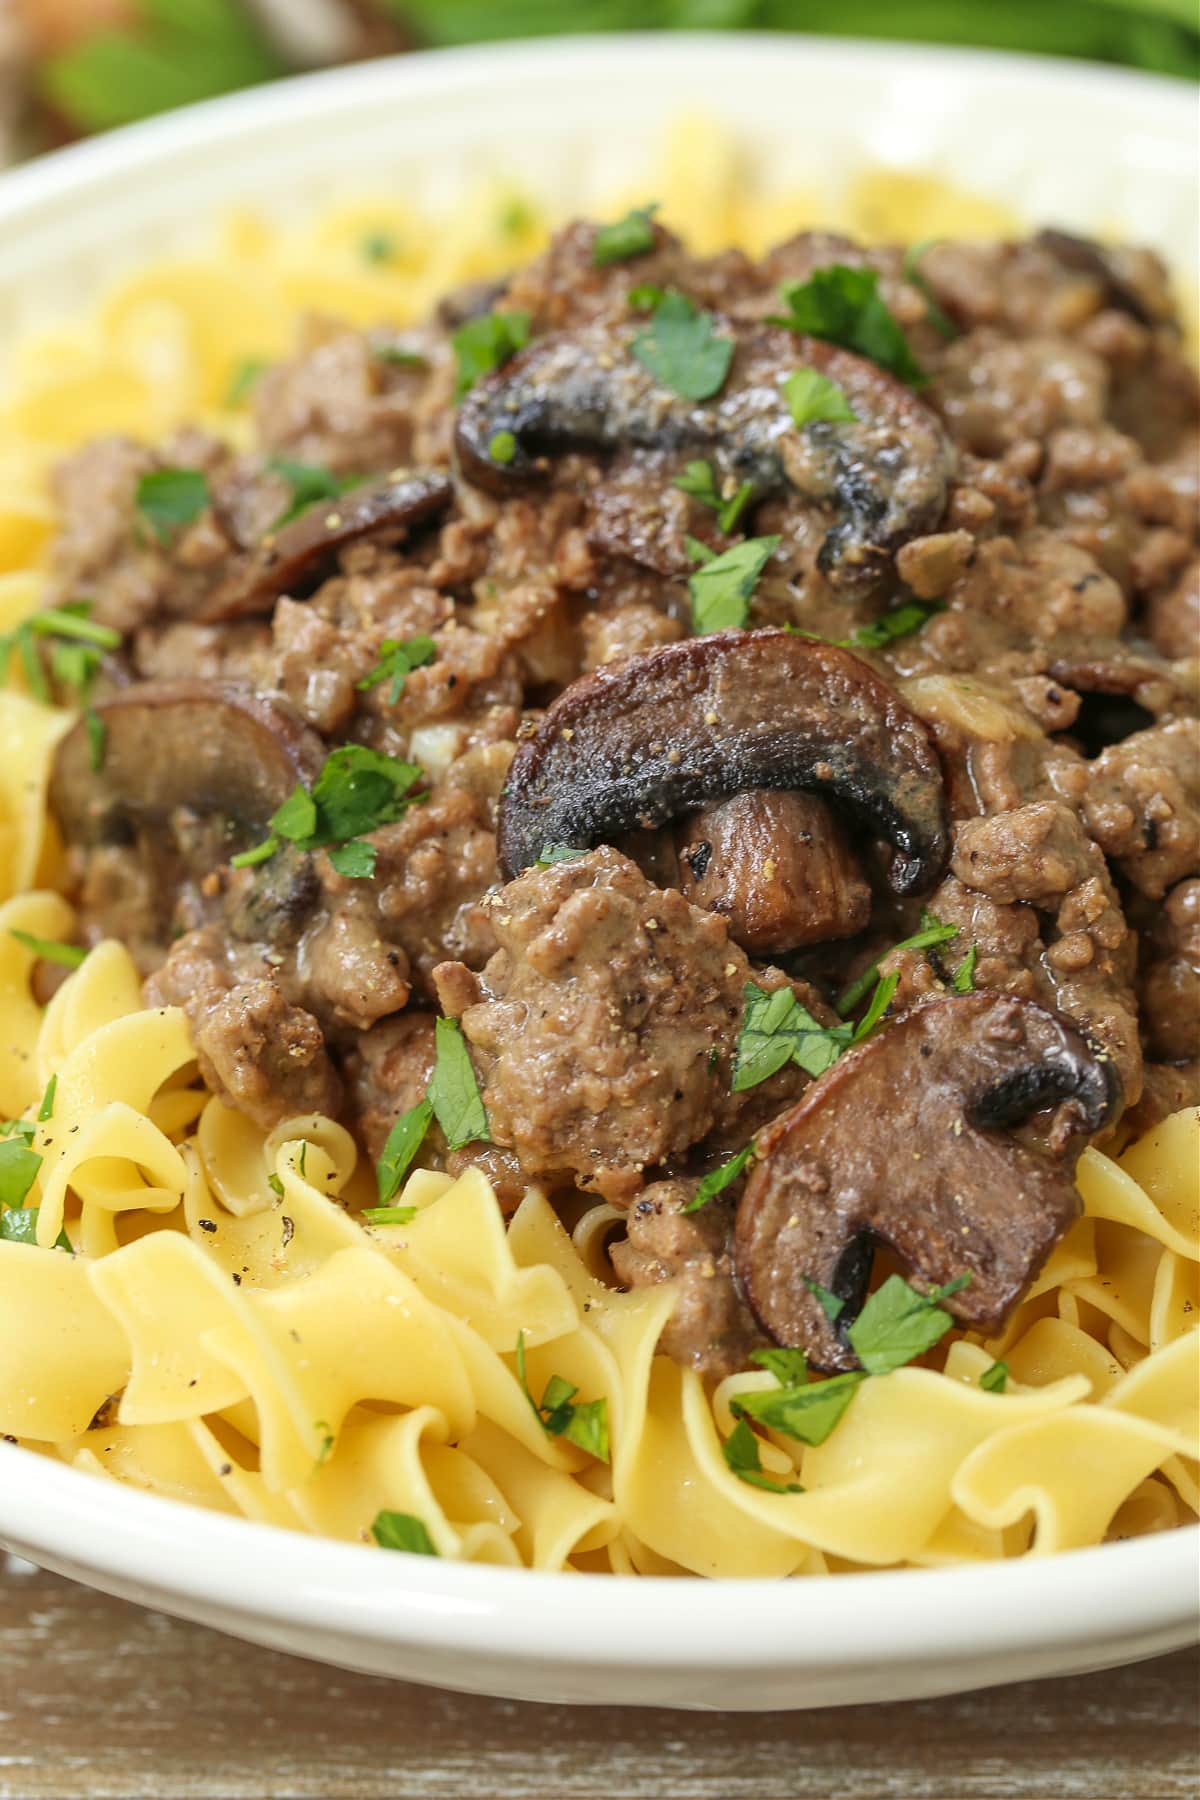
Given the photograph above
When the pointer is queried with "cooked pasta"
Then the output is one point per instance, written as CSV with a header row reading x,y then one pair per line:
x,y
231,1329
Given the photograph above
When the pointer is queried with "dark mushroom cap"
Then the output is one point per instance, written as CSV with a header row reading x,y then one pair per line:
x,y
908,1142
659,735
210,746
880,480
300,554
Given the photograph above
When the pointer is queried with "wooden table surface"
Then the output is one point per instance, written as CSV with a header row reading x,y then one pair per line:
x,y
102,1700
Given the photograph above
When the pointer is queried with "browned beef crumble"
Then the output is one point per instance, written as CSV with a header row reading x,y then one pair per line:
x,y
1041,489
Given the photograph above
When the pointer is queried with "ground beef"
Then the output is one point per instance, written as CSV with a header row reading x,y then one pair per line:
x,y
1143,805
604,1027
256,1052
1170,981
711,1329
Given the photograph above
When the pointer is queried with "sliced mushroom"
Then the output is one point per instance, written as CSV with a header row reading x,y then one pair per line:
x,y
644,741
777,866
908,1142
217,750
300,554
878,481
1132,280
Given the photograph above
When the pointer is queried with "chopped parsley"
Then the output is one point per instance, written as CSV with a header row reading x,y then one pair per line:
x,y
453,1089
645,296
76,647
558,853
831,1304
802,1410
741,1452
98,738
398,657
245,378
24,1129
787,1364
389,1215
309,484
402,1531
963,978
69,956
699,481
487,343
776,1030
380,247
18,1225
583,1423
404,1140
813,400
931,934
19,1167
897,1324
995,1379
721,590
717,1180
631,236
357,791
46,1109
503,447
169,499
275,1184
844,306
681,350
910,268
898,624
400,356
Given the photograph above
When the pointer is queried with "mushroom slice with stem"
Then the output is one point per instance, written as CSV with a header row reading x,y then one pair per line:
x,y
638,743
877,478
211,749
297,556
908,1142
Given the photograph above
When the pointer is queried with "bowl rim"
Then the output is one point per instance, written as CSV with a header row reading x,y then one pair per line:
x,y
93,1529
49,177
257,1571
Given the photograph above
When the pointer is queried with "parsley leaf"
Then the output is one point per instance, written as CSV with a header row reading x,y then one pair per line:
x,y
898,624
777,1030
699,481
722,588
402,1531
741,1452
403,1141
843,306
355,860
487,343
357,791
789,1366
831,1304
245,378
897,1324
808,1412
910,268
24,1129
309,484
995,1379
931,934
717,1180
69,956
389,1215
18,1225
682,351
631,236
502,447
583,1423
558,853
19,1166
963,978
168,499
453,1090
813,399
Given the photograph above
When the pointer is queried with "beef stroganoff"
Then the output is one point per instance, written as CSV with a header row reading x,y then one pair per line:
x,y
600,858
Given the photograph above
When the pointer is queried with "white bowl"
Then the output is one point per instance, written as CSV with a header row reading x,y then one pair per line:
x,y
1088,148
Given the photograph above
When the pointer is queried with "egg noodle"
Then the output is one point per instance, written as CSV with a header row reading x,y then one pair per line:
x,y
229,1330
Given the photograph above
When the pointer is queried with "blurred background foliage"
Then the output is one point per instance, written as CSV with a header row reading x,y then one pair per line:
x,y
86,65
